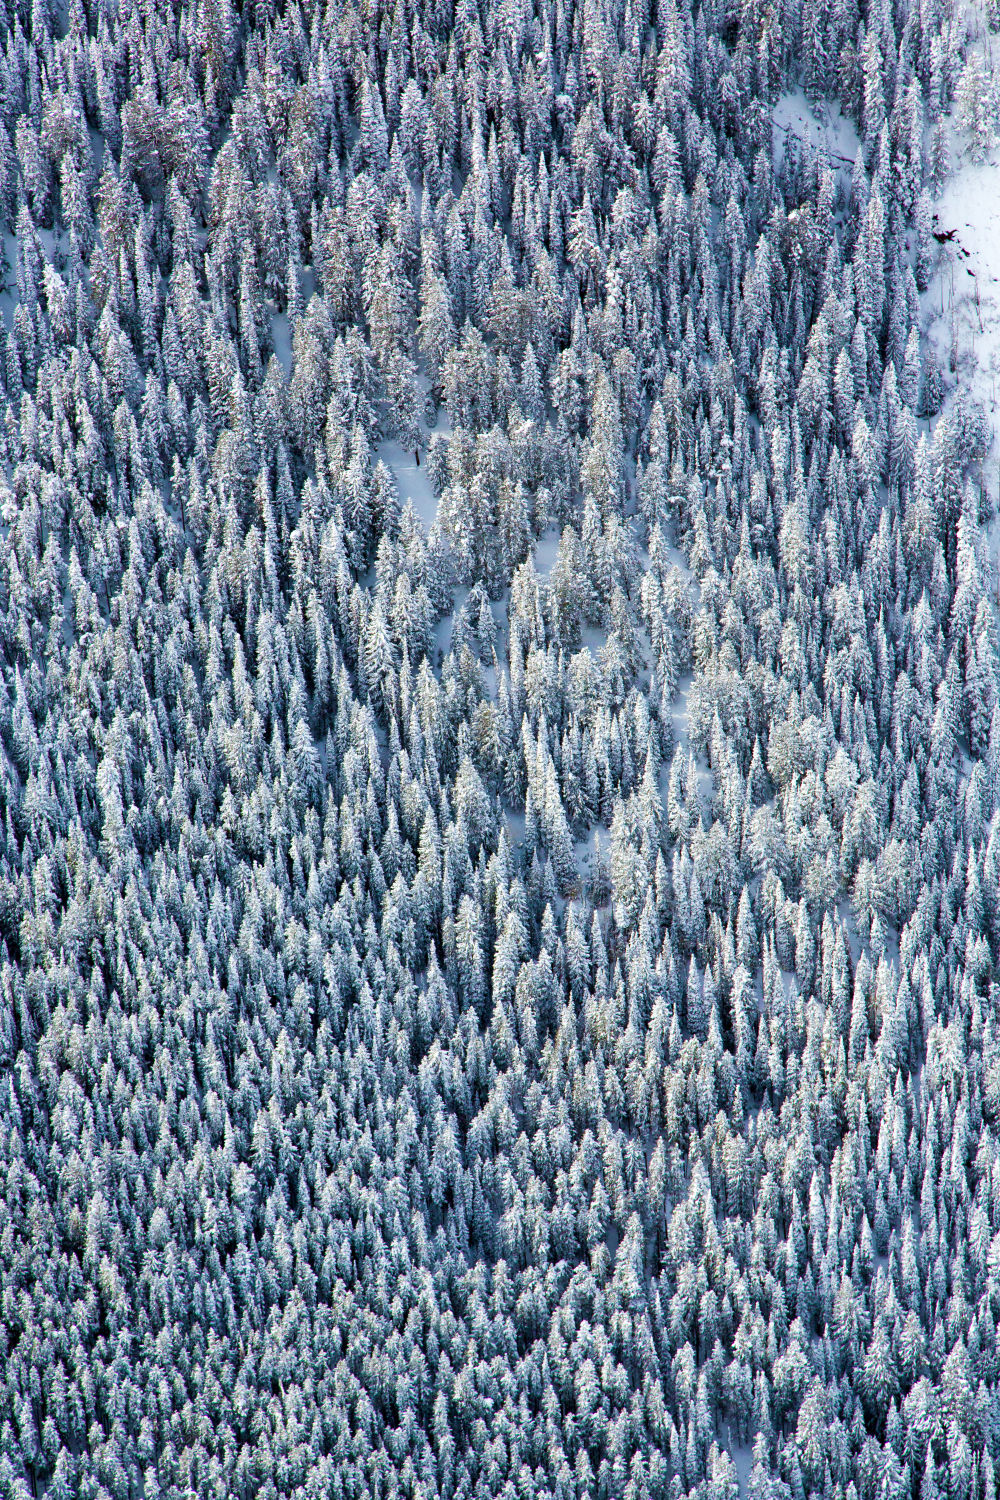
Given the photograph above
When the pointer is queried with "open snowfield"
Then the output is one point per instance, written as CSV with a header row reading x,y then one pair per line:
x,y
412,479
410,475
962,304
546,551
822,126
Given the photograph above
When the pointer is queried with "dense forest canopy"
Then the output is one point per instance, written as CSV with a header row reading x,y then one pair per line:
x,y
499,757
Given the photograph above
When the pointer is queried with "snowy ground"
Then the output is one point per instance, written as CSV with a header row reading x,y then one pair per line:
x,y
444,627
680,720
282,339
679,711
962,305
411,476
742,1457
412,479
281,335
8,297
546,551
823,127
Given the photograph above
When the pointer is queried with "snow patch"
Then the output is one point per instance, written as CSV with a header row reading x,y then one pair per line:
x,y
963,303
410,474
515,827
411,479
823,126
8,297
443,628
679,708
850,927
281,338
596,842
592,638
546,551
742,1457
97,147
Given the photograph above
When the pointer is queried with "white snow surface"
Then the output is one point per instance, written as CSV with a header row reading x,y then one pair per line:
x,y
962,304
822,126
742,1457
281,337
8,297
547,550
412,480
411,477
281,331
679,712
444,627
